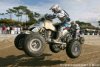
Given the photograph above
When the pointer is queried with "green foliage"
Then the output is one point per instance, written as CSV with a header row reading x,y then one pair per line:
x,y
9,22
85,25
14,22
28,24
20,10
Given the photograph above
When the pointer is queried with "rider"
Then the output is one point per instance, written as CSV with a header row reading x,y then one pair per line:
x,y
76,29
63,16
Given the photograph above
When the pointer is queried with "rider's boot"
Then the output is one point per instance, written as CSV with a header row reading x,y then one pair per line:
x,y
58,38
57,41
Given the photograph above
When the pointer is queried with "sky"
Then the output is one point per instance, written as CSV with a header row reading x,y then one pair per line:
x,y
83,10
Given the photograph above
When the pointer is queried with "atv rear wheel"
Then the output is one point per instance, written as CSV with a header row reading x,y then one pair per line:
x,y
19,41
34,45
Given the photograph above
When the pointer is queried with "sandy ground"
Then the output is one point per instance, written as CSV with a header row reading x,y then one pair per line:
x,y
11,57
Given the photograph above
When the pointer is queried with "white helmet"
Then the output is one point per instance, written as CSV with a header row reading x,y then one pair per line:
x,y
55,7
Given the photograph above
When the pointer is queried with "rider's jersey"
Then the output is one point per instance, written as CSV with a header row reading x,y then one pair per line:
x,y
61,15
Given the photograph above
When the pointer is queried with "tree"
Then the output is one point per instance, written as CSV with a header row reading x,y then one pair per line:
x,y
32,16
17,12
21,11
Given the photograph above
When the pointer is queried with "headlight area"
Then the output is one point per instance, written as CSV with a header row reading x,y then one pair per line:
x,y
35,29
30,29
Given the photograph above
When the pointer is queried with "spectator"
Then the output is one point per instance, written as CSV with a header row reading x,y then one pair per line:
x,y
4,29
0,30
18,30
15,30
8,30
12,30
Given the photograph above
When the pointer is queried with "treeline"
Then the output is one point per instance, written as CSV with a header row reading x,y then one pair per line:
x,y
19,12
9,22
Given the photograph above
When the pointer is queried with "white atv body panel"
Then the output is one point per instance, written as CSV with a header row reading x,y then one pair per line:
x,y
49,25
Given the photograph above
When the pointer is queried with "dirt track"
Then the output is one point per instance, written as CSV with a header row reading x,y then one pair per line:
x,y
10,56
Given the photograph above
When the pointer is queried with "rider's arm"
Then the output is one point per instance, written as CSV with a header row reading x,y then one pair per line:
x,y
61,14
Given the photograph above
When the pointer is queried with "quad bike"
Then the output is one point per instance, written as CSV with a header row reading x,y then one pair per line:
x,y
44,32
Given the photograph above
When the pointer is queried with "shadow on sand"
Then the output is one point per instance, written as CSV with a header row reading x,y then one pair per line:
x,y
23,60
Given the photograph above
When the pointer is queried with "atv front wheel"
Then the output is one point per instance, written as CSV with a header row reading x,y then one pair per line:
x,y
54,48
82,40
73,49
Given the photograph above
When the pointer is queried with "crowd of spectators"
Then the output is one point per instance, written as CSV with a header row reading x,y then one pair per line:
x,y
17,30
90,32
10,29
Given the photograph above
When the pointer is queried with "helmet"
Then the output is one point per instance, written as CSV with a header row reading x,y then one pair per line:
x,y
55,7
73,22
